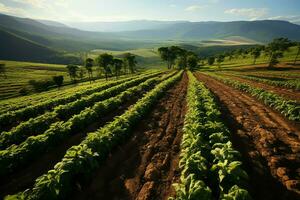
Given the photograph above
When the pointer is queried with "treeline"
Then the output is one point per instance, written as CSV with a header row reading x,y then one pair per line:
x,y
105,65
179,58
274,50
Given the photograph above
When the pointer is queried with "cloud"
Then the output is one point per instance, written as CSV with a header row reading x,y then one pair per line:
x,y
291,18
173,5
252,13
33,3
193,8
12,11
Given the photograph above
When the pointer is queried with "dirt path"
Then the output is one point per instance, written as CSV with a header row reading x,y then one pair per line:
x,y
285,92
146,166
270,145
25,177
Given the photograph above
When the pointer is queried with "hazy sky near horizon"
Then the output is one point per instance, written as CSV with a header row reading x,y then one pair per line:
x,y
122,10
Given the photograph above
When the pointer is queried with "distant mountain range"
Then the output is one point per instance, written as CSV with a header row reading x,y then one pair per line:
x,y
56,38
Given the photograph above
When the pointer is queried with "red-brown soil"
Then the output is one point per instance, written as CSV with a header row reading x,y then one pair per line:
x,y
289,94
146,166
25,177
270,145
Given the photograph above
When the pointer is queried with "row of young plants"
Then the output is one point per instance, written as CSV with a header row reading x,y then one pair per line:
x,y
21,102
62,112
210,167
83,159
289,108
9,118
17,156
291,84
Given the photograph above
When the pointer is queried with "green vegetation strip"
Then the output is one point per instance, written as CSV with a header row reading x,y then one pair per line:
x,y
17,156
210,167
84,158
291,84
289,108
43,122
26,113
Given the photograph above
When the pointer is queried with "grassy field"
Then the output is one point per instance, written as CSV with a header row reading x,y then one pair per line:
x,y
240,62
19,73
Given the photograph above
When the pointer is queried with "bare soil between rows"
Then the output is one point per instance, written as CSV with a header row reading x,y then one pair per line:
x,y
270,144
146,166
288,94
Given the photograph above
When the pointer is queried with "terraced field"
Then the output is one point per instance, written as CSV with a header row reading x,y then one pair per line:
x,y
156,135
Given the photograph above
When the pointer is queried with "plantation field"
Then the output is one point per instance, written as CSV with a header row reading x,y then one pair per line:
x,y
19,73
156,135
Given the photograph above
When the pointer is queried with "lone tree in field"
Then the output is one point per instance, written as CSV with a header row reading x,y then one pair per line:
x,y
298,52
104,61
256,52
169,54
276,49
211,60
130,62
89,67
58,80
72,70
118,63
3,69
220,59
192,62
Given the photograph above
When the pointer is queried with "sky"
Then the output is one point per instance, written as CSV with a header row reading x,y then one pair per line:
x,y
123,10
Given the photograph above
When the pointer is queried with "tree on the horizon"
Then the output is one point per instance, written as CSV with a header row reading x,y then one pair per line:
x,y
169,54
211,60
104,61
3,70
89,62
220,59
72,70
58,80
192,62
276,48
118,63
256,52
130,62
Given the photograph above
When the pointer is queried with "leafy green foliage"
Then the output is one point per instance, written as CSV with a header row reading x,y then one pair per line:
x,y
85,157
207,156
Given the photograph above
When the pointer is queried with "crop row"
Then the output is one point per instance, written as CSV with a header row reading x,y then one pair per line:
x,y
210,167
17,156
21,102
289,108
62,112
292,84
84,158
12,117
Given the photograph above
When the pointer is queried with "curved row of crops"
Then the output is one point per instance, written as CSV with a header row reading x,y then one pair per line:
x,y
17,156
82,159
9,118
210,167
291,84
41,123
289,108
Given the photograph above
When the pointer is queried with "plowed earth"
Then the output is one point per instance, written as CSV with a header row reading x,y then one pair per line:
x,y
146,166
270,145
288,94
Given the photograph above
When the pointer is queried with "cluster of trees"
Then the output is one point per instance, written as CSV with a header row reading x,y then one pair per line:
x,y
178,57
105,63
274,50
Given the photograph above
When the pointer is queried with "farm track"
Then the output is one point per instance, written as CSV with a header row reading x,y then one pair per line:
x,y
270,144
146,166
289,94
24,178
